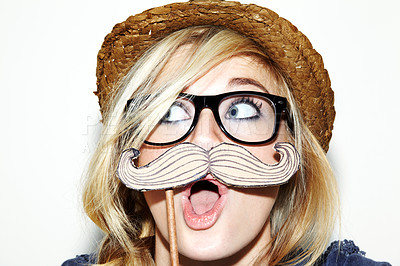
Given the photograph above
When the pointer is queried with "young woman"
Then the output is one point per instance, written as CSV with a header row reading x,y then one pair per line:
x,y
209,73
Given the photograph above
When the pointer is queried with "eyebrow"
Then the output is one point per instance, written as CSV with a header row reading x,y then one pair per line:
x,y
245,81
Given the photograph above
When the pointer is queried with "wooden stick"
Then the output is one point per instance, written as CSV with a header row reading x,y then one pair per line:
x,y
173,245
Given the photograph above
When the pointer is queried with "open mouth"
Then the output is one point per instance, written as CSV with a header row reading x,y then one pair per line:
x,y
203,196
203,202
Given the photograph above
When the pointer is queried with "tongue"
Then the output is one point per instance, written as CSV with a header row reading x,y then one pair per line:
x,y
203,201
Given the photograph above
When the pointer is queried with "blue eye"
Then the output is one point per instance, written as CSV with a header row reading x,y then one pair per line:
x,y
176,113
243,109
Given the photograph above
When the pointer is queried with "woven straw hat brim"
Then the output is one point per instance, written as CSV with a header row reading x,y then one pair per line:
x,y
281,40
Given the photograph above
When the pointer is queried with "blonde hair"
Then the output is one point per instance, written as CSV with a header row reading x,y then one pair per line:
x,y
304,214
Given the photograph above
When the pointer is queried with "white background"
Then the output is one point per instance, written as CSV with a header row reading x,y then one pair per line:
x,y
50,119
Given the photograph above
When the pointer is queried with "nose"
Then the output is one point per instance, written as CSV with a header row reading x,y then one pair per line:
x,y
207,133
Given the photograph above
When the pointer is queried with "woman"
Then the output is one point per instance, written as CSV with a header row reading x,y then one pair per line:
x,y
246,57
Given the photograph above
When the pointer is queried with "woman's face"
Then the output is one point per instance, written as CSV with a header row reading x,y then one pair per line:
x,y
227,224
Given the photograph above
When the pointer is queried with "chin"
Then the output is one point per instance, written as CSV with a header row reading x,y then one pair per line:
x,y
218,242
198,255
208,249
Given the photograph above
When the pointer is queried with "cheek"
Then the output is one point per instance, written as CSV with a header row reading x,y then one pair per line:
x,y
148,154
257,203
266,153
249,217
156,202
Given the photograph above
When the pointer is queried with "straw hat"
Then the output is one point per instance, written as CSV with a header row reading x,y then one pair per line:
x,y
282,41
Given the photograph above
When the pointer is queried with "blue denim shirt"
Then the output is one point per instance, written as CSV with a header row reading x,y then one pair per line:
x,y
347,254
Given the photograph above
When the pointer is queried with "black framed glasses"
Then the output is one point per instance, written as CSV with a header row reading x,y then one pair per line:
x,y
247,117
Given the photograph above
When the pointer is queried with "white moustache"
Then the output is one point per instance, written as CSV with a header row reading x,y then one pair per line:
x,y
231,164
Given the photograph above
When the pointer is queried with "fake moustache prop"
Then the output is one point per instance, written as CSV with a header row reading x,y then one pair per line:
x,y
231,164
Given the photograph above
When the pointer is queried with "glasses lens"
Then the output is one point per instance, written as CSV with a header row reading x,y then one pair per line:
x,y
175,123
248,117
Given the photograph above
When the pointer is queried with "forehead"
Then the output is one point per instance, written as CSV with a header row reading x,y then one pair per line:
x,y
237,73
